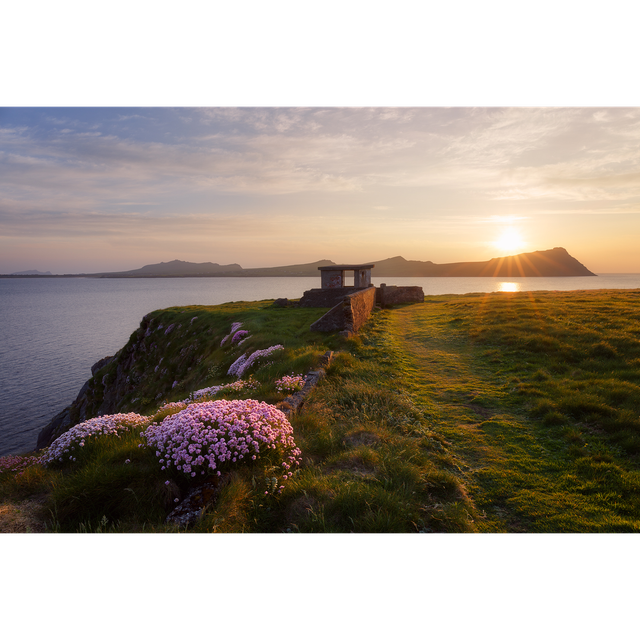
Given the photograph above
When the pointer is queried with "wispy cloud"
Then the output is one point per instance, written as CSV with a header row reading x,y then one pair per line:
x,y
119,172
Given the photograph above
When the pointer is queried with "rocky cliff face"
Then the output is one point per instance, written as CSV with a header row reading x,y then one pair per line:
x,y
175,352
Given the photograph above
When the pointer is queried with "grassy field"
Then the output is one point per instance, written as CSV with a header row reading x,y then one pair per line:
x,y
538,396
504,412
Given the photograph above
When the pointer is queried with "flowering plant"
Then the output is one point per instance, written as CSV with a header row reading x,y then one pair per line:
x,y
64,446
238,385
239,336
245,361
17,463
234,327
290,383
209,436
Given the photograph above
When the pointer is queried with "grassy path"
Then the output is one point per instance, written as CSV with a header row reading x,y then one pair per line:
x,y
520,474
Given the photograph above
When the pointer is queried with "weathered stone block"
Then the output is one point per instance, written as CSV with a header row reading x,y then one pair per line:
x,y
324,297
388,296
350,313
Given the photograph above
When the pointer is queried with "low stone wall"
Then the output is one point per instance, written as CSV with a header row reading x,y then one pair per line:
x,y
388,296
349,314
325,297
293,403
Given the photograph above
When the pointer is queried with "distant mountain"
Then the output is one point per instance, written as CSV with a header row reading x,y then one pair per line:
x,y
32,272
550,263
180,269
294,270
175,268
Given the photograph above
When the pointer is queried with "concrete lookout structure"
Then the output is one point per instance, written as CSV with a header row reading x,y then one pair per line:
x,y
350,307
332,285
333,277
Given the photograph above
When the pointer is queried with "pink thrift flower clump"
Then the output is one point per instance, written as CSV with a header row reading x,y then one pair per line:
x,y
245,361
234,327
208,437
17,463
200,393
63,447
287,384
239,336
238,385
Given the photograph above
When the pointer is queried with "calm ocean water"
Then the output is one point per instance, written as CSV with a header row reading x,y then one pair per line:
x,y
54,330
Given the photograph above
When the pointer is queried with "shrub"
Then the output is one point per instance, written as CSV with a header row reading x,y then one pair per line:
x,y
239,336
63,447
211,436
234,327
245,361
291,383
15,463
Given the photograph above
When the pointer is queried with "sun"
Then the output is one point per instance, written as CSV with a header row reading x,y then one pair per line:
x,y
510,240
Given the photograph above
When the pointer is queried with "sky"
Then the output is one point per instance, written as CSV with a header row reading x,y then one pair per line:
x,y
85,190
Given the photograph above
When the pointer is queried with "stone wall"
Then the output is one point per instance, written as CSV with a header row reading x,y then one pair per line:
x,y
324,297
349,314
388,296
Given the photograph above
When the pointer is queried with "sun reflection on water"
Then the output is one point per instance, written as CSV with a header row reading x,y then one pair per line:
x,y
509,287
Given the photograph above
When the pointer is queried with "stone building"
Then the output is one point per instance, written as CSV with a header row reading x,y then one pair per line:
x,y
351,306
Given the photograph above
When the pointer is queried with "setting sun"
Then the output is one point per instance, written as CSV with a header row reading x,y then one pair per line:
x,y
510,240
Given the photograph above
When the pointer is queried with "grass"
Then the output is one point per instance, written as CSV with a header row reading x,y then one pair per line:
x,y
505,412
538,394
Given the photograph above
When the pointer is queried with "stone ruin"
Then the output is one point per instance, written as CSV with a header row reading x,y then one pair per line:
x,y
351,306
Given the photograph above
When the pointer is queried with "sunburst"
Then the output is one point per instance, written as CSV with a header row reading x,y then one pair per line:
x,y
510,241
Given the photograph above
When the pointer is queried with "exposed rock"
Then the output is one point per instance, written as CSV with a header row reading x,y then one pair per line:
x,y
101,364
56,427
192,508
292,404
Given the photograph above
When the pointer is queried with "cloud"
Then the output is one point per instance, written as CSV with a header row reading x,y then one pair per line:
x,y
128,171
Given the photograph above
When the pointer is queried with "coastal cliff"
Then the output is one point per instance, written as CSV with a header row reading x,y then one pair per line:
x,y
174,352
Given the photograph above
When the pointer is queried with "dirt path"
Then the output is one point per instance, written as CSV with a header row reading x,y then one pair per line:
x,y
508,467
22,517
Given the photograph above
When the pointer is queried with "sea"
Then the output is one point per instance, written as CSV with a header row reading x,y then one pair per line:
x,y
54,329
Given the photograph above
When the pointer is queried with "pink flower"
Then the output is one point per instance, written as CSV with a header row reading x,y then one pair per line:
x,y
216,434
243,363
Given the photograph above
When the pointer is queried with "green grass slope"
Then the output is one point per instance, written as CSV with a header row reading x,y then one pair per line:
x,y
504,412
